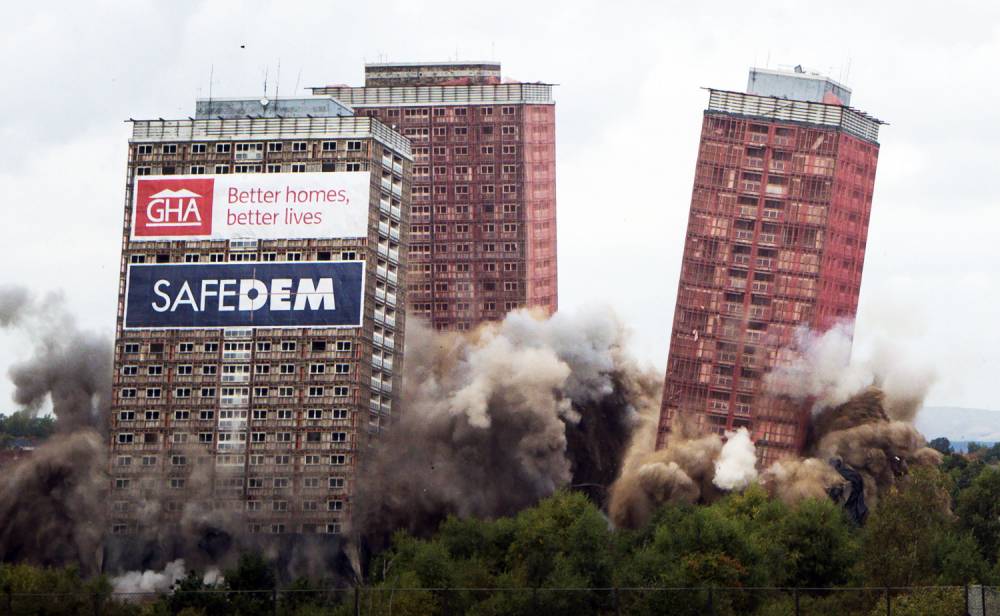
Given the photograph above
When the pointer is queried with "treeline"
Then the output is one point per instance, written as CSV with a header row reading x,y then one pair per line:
x,y
740,555
23,424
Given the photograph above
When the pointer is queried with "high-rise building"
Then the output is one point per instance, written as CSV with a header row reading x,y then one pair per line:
x,y
775,241
484,193
260,316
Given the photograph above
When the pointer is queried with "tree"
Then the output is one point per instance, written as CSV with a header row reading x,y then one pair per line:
x,y
818,545
942,444
899,539
252,583
979,511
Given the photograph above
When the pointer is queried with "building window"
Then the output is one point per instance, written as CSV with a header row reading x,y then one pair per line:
x,y
222,169
299,146
329,146
223,148
199,148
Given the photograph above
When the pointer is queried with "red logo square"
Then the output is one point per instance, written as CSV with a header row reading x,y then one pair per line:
x,y
168,207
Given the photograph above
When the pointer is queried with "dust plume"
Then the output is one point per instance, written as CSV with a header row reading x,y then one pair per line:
x,y
149,581
496,419
860,439
819,367
736,466
52,503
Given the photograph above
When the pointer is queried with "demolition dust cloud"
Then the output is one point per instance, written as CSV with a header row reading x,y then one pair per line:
x,y
490,422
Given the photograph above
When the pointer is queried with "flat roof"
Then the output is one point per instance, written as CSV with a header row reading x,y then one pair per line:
x,y
415,64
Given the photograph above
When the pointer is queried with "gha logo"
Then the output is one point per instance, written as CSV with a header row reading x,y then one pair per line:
x,y
169,207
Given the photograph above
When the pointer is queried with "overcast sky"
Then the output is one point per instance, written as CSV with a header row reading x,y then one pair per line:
x,y
629,108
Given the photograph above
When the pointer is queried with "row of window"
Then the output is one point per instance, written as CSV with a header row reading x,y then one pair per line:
x,y
238,369
255,460
424,170
461,306
222,169
334,528
220,257
463,190
422,153
485,130
261,346
314,391
443,209
180,438
461,248
488,227
272,146
424,112
229,414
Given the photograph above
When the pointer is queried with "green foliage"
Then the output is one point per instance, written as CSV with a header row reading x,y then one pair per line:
x,y
24,424
924,601
561,557
898,541
979,511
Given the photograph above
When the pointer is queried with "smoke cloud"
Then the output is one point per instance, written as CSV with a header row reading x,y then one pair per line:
x,y
489,422
149,581
496,419
860,439
736,467
819,366
52,503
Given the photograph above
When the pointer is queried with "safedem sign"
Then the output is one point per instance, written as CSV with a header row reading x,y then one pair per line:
x,y
251,205
216,295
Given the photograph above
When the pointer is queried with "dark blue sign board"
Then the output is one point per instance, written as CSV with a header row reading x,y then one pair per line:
x,y
258,294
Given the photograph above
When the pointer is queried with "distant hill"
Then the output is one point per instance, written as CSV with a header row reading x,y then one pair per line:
x,y
959,424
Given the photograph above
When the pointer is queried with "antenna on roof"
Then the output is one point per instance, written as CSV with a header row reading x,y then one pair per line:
x,y
296,89
847,77
211,77
277,80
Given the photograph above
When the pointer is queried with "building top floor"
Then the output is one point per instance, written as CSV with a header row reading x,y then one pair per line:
x,y
431,73
430,95
775,109
270,128
290,107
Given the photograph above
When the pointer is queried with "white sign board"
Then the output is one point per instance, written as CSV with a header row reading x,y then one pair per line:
x,y
251,205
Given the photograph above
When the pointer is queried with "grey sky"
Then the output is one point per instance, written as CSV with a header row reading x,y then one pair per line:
x,y
628,116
